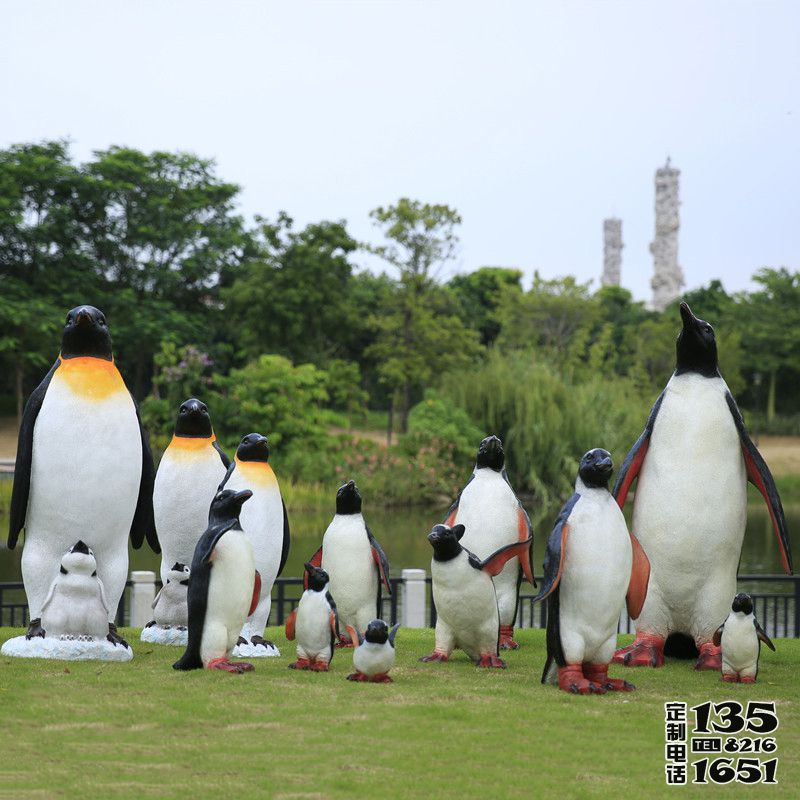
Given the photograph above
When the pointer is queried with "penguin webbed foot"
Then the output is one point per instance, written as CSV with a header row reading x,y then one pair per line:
x,y
114,637
572,680
301,663
319,666
234,667
344,641
383,677
261,641
241,640
436,655
360,677
507,638
35,629
646,651
490,661
710,657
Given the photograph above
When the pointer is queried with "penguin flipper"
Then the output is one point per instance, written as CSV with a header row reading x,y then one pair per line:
x,y
231,468
759,475
291,621
155,599
494,563
762,635
717,637
286,539
632,464
556,550
144,524
256,593
205,547
382,563
355,635
315,561
393,633
640,577
224,457
450,519
555,650
22,465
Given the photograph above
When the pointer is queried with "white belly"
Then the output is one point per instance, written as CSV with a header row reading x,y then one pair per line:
x,y
185,485
690,507
373,659
312,625
597,570
465,599
76,609
740,646
347,558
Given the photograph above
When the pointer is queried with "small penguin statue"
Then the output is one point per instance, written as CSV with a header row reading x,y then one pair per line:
x,y
740,638
314,623
223,590
76,606
170,607
466,603
374,656
592,564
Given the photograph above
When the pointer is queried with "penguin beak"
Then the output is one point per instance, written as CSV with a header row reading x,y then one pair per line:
x,y
686,315
245,494
83,318
605,465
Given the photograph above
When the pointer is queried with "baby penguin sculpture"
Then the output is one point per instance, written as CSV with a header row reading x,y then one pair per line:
x,y
170,607
740,637
374,655
314,623
466,603
590,565
76,606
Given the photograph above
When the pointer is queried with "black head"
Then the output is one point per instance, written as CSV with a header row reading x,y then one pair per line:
x,y
178,567
80,547
742,602
348,499
227,505
596,468
697,346
253,447
86,334
317,577
193,420
377,632
491,454
446,541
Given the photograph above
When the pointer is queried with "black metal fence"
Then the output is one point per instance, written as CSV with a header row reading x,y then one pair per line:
x,y
776,599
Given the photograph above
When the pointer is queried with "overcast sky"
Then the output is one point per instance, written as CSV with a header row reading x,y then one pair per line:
x,y
535,120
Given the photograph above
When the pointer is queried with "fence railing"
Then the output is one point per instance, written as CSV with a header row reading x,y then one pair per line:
x,y
776,599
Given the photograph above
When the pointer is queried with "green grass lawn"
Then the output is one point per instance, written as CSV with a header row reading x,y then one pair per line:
x,y
440,730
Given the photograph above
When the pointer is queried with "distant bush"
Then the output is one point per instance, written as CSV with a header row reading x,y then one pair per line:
x,y
779,425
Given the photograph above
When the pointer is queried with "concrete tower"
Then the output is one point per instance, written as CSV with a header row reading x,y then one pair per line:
x,y
667,274
612,251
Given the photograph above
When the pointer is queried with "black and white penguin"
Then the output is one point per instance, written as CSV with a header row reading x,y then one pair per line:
x,y
374,656
170,606
693,461
739,638
591,565
223,589
355,562
191,469
465,598
266,525
493,517
314,623
83,463
76,606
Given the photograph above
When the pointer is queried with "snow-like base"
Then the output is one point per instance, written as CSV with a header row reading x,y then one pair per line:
x,y
161,634
66,649
255,651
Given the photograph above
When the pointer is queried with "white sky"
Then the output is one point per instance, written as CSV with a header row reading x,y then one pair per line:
x,y
535,120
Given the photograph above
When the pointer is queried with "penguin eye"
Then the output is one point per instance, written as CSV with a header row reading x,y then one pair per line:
x,y
69,319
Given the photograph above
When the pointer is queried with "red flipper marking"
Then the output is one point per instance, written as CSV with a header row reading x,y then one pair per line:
x,y
640,577
384,577
495,563
450,521
633,471
525,558
290,623
256,593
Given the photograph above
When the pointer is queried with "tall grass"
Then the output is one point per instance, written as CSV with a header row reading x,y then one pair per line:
x,y
547,420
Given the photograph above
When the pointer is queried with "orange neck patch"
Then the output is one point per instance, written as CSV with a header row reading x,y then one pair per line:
x,y
191,443
257,472
91,378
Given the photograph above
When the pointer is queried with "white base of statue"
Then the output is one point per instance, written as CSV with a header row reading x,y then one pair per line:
x,y
165,634
255,651
66,649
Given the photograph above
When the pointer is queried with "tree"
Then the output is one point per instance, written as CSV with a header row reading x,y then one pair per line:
x,y
420,333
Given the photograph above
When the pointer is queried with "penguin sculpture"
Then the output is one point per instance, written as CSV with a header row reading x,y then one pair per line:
x,y
76,606
191,469
170,607
314,623
466,603
493,517
374,656
692,461
355,562
739,638
266,525
591,565
223,590
83,463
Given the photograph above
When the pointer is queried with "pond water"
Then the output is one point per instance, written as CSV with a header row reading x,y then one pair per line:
x,y
402,534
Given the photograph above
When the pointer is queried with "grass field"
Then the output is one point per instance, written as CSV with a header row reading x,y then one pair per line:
x,y
440,730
